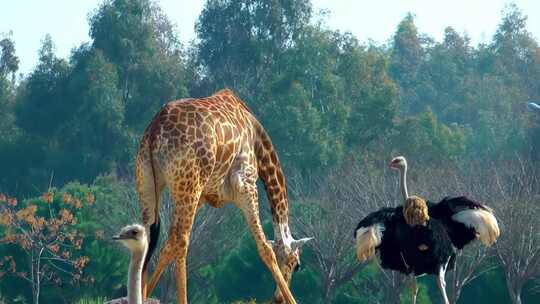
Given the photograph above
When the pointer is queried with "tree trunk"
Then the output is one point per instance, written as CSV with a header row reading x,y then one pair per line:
x,y
515,296
453,295
514,290
391,296
327,291
35,293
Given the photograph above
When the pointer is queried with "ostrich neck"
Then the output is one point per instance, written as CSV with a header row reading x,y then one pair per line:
x,y
404,191
134,277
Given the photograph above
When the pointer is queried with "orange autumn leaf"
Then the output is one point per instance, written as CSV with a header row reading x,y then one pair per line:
x,y
25,243
66,198
6,218
81,262
90,198
54,248
66,216
47,197
39,223
9,239
27,213
12,202
78,243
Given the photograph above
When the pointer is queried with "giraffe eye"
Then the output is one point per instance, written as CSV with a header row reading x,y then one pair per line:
x,y
297,267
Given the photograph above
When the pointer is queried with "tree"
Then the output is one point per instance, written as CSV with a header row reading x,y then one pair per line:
x,y
325,216
42,104
241,42
518,249
9,63
445,76
423,136
406,59
46,235
95,132
138,39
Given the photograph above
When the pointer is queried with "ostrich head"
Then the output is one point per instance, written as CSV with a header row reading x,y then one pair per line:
x,y
415,211
133,237
398,163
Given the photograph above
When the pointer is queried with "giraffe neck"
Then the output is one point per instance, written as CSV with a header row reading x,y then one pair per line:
x,y
274,184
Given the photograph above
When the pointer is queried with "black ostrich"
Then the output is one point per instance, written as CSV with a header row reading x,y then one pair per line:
x,y
422,238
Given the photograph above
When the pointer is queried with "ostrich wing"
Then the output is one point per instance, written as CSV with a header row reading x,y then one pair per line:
x,y
466,220
369,232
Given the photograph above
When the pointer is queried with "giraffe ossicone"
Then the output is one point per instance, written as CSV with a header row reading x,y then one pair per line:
x,y
297,244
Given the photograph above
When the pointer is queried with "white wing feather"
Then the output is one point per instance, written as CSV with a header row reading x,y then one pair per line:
x,y
367,239
483,222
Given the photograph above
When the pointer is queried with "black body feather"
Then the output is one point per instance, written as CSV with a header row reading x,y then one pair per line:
x,y
399,248
460,234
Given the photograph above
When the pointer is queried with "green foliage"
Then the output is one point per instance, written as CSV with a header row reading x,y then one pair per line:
x,y
242,42
323,97
139,40
430,140
98,300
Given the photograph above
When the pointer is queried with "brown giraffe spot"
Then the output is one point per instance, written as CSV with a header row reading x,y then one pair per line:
x,y
267,144
281,180
265,161
274,158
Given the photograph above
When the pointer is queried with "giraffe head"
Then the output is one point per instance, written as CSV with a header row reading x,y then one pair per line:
x,y
288,258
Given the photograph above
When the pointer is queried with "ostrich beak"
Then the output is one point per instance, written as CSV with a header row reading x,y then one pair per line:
x,y
120,237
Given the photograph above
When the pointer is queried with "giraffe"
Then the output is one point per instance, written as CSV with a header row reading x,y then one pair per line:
x,y
211,150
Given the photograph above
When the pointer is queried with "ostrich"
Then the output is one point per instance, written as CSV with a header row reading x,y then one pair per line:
x,y
135,239
420,237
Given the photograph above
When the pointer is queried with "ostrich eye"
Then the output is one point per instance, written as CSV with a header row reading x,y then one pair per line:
x,y
134,232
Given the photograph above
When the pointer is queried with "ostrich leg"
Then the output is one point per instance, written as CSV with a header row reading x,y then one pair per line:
x,y
442,283
414,289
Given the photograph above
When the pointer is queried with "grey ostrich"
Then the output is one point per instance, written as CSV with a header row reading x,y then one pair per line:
x,y
135,239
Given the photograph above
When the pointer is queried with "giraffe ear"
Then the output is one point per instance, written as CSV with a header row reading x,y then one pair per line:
x,y
296,244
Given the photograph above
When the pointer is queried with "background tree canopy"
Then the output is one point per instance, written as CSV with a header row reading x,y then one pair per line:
x,y
326,99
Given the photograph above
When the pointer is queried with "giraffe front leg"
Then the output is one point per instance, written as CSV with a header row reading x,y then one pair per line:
x,y
250,209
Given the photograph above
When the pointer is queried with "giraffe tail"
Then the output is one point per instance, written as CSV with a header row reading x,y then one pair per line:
x,y
153,242
153,237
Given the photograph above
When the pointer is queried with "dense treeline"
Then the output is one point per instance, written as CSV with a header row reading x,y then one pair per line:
x,y
326,99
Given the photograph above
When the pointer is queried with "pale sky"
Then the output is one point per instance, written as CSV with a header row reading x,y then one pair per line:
x,y
66,20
